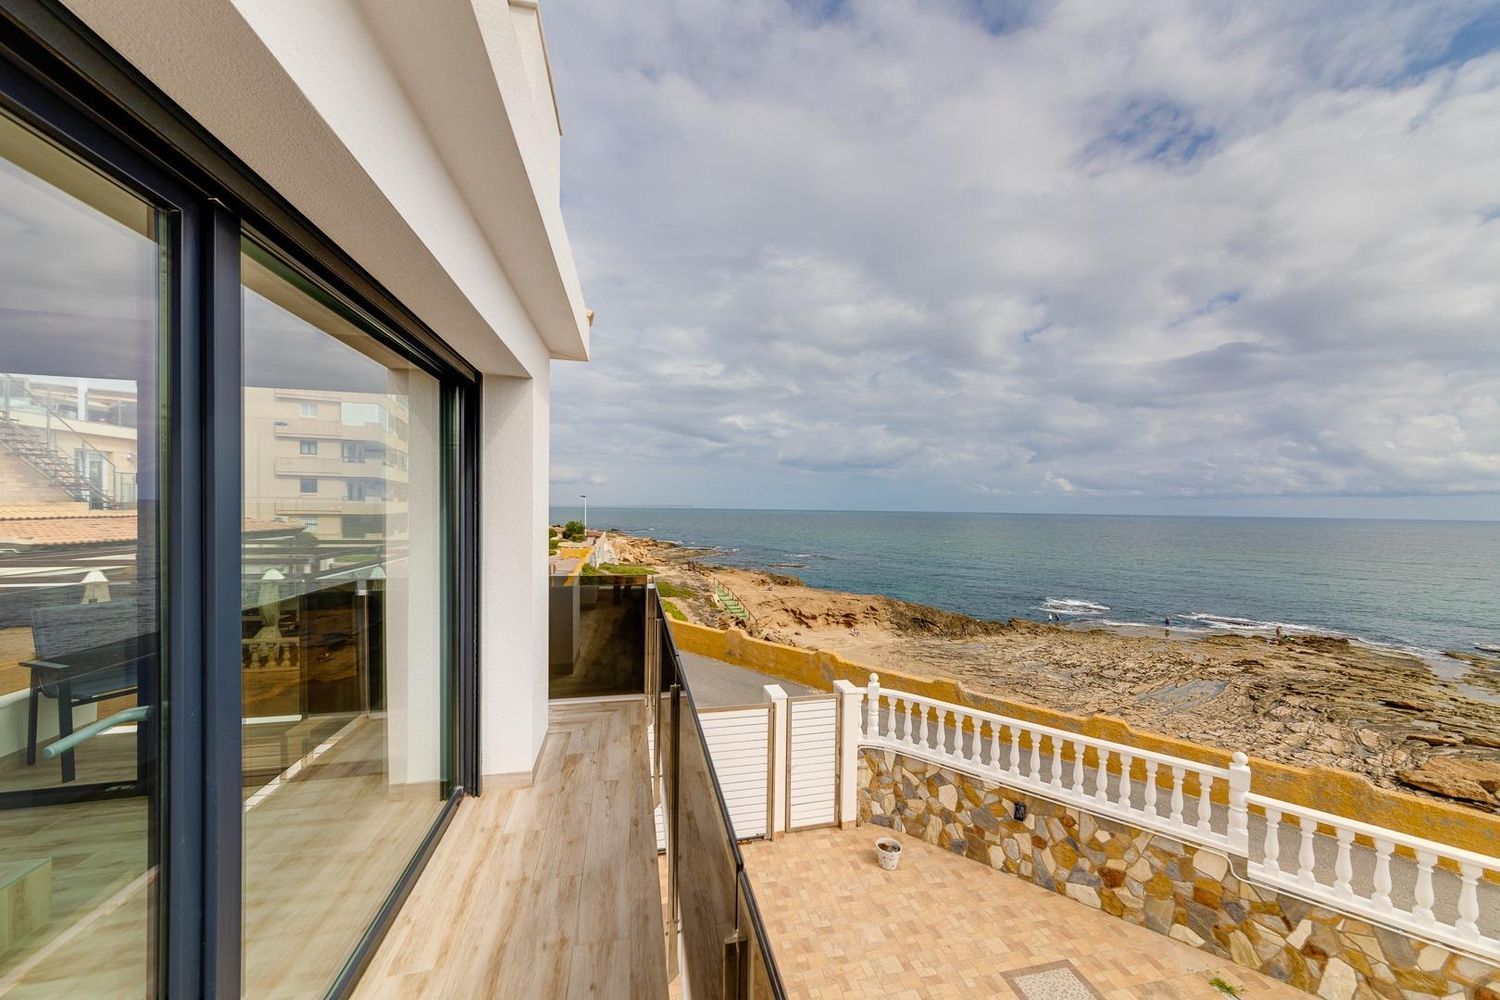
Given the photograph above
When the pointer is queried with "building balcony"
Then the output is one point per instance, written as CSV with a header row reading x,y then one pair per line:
x,y
334,467
310,428
336,505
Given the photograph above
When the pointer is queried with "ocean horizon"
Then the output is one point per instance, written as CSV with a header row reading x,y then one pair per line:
x,y
1423,586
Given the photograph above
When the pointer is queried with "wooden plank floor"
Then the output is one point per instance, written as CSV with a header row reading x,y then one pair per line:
x,y
547,891
321,853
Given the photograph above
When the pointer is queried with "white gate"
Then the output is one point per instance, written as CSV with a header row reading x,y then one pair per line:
x,y
812,761
739,744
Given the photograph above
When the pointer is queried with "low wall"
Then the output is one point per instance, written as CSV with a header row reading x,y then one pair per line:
x,y
1327,789
1191,894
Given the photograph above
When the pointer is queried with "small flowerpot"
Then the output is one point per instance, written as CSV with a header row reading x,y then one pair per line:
x,y
888,850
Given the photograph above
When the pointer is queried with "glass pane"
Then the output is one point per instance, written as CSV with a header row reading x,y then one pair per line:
x,y
343,651
81,266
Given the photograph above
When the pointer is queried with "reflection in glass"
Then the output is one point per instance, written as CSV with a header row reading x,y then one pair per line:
x,y
81,261
342,626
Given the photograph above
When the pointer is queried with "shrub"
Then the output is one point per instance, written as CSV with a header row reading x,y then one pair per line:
x,y
573,531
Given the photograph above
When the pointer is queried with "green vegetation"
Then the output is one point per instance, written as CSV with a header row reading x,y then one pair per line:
x,y
673,611
573,531
1225,987
625,569
666,589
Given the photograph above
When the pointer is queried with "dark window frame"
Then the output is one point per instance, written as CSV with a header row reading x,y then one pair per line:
x,y
57,76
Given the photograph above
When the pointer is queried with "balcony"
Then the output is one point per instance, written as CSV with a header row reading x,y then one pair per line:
x,y
335,467
336,505
309,427
615,872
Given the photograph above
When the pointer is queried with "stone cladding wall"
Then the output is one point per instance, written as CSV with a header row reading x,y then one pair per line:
x,y
1189,893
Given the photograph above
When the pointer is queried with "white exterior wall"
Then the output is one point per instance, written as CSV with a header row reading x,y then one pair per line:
x,y
513,590
418,137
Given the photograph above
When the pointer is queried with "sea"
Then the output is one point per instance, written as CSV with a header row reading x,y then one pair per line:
x,y
1420,586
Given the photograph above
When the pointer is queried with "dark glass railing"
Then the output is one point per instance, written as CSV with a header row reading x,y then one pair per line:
x,y
599,639
723,945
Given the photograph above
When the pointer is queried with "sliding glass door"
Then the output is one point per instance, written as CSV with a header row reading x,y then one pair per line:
x,y
237,644
82,313
344,651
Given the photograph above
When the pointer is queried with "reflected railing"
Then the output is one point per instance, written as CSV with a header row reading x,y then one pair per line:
x,y
599,636
719,938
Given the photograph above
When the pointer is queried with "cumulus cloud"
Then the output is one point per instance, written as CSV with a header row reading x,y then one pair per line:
x,y
917,252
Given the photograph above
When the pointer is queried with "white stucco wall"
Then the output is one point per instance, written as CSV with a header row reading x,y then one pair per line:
x,y
513,592
419,137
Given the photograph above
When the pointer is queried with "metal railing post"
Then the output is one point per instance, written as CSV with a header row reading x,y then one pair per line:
x,y
674,786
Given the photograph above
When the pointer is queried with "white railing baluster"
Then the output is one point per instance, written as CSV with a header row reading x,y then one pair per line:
x,y
921,739
1239,806
1015,752
1305,858
995,746
1076,785
1126,763
975,756
1424,894
1468,902
872,706
1205,802
1176,815
1151,789
1272,845
1343,868
890,718
1057,783
1101,777
909,733
1382,895
1036,755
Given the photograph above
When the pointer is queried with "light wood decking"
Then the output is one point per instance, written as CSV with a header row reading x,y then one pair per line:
x,y
547,891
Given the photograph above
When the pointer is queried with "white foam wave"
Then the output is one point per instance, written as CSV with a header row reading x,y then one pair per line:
x,y
1254,626
1071,606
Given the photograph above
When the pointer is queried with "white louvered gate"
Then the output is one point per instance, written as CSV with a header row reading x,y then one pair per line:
x,y
739,743
812,762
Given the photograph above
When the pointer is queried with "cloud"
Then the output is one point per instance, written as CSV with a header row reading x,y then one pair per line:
x,y
923,253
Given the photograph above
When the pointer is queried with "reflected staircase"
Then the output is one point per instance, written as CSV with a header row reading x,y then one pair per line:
x,y
31,445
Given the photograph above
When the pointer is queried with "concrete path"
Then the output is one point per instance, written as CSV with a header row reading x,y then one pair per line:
x,y
716,683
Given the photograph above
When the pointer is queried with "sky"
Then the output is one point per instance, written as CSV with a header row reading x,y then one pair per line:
x,y
1156,257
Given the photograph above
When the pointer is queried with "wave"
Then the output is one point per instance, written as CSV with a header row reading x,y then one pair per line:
x,y
1071,606
1254,626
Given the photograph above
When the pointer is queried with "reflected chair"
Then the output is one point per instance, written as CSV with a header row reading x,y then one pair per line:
x,y
86,653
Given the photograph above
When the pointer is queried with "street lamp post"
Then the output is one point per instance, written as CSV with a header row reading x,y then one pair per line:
x,y
585,498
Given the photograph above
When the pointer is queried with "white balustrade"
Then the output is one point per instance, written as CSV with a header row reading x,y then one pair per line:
x,y
1457,920
936,731
1457,923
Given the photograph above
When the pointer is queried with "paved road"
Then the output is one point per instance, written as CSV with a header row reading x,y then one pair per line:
x,y
716,683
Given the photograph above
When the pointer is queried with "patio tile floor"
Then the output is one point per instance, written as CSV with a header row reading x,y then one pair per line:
x,y
947,926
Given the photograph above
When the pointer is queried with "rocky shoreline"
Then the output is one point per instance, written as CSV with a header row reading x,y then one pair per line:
x,y
1308,700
